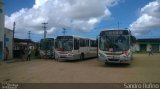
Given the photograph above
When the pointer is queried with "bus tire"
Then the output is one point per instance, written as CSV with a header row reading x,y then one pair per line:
x,y
82,56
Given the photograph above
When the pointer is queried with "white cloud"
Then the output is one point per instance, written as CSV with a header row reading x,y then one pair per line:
x,y
149,19
93,21
81,15
39,3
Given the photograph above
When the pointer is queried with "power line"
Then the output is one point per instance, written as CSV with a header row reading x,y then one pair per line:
x,y
45,29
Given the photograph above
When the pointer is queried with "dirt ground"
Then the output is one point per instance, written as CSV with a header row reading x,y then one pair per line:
x,y
144,68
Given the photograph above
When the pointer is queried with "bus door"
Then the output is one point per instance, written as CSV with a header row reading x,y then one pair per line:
x,y
87,48
93,48
76,47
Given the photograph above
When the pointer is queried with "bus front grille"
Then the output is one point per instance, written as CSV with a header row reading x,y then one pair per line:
x,y
113,53
113,59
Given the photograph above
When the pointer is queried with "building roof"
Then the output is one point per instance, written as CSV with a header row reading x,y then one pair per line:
x,y
8,29
149,40
22,40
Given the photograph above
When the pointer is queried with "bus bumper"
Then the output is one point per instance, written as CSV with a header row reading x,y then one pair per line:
x,y
109,60
65,57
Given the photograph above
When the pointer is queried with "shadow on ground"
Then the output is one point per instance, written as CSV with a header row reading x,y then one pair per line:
x,y
78,60
116,65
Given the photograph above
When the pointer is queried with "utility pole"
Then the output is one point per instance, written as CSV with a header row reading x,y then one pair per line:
x,y
64,31
14,26
45,29
29,35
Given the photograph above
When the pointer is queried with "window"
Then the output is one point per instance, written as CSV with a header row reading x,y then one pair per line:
x,y
93,43
76,44
82,42
87,43
65,44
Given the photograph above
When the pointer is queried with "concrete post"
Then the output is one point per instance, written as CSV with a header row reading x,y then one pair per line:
x,y
1,30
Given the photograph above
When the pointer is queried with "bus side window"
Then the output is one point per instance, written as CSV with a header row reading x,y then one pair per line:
x,y
82,43
87,43
76,44
56,44
93,43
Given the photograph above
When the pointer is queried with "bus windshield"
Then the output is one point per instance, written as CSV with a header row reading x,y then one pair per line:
x,y
64,44
114,43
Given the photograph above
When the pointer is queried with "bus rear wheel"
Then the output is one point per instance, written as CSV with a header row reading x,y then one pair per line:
x,y
82,56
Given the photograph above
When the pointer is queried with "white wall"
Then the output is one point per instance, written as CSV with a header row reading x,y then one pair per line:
x,y
137,48
148,47
9,43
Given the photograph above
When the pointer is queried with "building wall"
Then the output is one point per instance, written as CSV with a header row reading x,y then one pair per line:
x,y
1,29
137,47
8,41
148,46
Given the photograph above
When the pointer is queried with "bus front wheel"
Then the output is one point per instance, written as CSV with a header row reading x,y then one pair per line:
x,y
82,56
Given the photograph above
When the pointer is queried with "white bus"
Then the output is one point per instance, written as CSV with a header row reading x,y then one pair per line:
x,y
73,47
115,46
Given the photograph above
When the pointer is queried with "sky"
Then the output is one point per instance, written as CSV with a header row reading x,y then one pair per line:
x,y
85,18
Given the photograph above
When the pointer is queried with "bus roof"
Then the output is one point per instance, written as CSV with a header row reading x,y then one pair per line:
x,y
78,37
115,29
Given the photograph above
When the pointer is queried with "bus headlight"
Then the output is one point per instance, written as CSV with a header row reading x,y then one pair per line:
x,y
125,52
70,54
125,56
101,55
